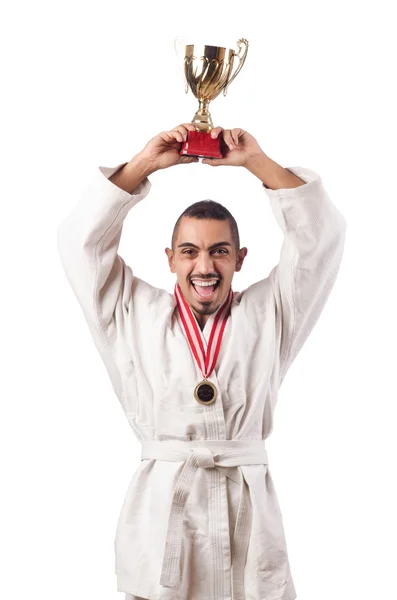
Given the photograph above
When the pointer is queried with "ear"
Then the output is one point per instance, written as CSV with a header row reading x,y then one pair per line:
x,y
171,262
240,259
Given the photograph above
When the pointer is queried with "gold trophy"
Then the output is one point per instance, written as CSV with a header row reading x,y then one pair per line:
x,y
208,71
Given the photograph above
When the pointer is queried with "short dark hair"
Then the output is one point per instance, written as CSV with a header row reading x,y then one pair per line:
x,y
208,209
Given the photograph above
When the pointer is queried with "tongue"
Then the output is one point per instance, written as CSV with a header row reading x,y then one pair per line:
x,y
204,291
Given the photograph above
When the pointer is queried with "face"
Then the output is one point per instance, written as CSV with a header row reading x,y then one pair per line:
x,y
204,252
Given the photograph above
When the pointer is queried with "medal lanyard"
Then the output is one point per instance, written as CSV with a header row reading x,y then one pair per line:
x,y
189,321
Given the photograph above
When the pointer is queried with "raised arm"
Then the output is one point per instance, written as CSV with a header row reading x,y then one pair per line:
x,y
314,236
88,238
311,253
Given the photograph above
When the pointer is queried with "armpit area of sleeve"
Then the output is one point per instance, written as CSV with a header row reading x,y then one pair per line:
x,y
312,183
104,173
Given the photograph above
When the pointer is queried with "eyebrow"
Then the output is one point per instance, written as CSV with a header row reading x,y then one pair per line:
x,y
190,245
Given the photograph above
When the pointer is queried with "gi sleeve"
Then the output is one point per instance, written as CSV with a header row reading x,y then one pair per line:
x,y
88,240
310,258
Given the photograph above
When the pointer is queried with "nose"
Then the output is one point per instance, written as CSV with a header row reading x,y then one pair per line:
x,y
205,264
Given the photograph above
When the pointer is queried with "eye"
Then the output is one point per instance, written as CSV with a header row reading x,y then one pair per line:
x,y
221,250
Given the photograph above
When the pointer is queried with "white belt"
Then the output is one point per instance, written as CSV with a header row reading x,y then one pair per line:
x,y
226,456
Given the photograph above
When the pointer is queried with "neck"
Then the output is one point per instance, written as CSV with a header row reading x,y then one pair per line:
x,y
201,319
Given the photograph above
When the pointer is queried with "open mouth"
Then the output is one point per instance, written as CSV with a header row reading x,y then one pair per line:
x,y
205,291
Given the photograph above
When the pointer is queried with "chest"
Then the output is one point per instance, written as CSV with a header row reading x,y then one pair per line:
x,y
160,349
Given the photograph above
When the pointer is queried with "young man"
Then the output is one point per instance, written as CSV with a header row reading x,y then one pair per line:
x,y
197,372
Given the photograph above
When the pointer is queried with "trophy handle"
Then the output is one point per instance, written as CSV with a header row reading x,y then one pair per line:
x,y
242,44
179,42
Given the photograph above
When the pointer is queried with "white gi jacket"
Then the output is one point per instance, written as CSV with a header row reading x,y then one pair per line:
x,y
201,519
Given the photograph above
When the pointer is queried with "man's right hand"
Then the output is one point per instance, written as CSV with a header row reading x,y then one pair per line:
x,y
162,151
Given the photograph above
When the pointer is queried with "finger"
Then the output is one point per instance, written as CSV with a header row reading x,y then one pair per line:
x,y
184,129
177,135
170,137
214,162
227,136
216,131
188,159
188,126
236,133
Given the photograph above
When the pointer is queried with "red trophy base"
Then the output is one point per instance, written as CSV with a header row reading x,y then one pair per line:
x,y
201,144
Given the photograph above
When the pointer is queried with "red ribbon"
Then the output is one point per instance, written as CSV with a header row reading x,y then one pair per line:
x,y
204,358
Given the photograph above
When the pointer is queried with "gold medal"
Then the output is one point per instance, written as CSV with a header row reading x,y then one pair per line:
x,y
205,392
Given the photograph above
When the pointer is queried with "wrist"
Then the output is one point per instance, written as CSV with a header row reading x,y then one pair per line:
x,y
142,165
258,164
131,175
271,174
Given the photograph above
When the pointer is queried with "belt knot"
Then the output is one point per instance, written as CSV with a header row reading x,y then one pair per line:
x,y
203,457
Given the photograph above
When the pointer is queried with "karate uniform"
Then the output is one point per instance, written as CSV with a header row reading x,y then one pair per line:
x,y
201,519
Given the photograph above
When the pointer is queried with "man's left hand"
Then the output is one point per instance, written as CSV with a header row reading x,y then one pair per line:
x,y
237,146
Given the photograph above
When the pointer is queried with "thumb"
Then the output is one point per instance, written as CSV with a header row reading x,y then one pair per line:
x,y
187,159
214,162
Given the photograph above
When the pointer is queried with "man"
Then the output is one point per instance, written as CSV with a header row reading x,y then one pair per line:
x,y
197,372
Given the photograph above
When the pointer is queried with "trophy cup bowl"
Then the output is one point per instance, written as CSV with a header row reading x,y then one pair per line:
x,y
209,70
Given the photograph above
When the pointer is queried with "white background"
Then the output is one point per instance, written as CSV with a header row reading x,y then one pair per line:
x,y
89,83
